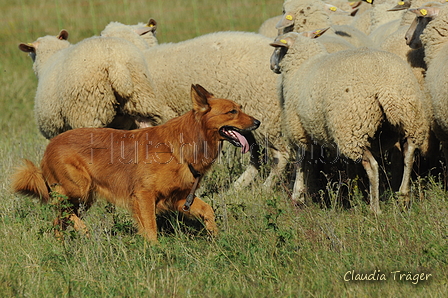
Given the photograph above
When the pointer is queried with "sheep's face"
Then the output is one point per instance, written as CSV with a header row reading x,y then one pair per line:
x,y
424,15
279,52
284,42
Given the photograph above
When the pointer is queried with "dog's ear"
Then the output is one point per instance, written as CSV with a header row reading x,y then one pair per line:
x,y
202,90
199,97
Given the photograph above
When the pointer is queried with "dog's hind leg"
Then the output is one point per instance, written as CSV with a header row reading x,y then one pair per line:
x,y
144,211
68,212
202,210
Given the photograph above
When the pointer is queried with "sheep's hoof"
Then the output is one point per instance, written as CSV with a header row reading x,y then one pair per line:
x,y
375,209
298,200
404,201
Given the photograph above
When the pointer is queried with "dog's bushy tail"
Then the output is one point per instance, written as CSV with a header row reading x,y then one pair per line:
x,y
29,180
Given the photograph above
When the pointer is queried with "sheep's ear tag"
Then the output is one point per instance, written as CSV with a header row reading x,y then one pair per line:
x,y
400,3
288,17
283,41
423,12
333,8
318,33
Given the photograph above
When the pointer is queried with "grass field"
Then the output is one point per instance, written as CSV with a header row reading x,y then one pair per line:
x,y
266,248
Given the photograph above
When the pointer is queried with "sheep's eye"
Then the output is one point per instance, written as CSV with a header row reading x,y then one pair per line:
x,y
232,111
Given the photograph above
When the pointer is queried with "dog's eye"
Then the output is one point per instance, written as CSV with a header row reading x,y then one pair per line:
x,y
232,111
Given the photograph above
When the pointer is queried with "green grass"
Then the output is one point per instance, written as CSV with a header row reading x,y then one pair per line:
x,y
266,248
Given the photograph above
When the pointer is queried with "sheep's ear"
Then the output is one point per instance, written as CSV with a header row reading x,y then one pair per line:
x,y
355,4
426,11
27,47
152,24
401,5
354,12
286,21
199,97
63,35
283,41
316,33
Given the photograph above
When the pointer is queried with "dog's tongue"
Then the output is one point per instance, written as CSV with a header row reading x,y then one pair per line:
x,y
243,141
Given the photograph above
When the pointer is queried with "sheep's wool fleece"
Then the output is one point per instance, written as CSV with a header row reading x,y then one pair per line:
x,y
86,84
343,98
435,43
233,65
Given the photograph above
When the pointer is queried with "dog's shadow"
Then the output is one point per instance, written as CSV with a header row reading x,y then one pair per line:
x,y
168,224
175,223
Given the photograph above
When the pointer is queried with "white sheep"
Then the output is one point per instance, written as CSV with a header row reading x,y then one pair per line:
x,y
431,33
234,65
141,35
323,101
336,15
307,15
332,42
376,16
98,82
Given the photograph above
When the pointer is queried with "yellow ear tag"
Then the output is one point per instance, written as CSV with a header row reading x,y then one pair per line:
x,y
318,33
283,41
333,8
289,17
424,12
401,3
369,1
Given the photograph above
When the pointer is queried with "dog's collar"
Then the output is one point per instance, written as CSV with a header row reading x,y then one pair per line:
x,y
193,171
190,198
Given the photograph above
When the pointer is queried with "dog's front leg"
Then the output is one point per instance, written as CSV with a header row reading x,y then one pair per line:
x,y
144,211
200,209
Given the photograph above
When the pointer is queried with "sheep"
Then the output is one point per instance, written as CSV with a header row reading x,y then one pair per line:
x,y
376,16
337,16
98,82
340,16
396,43
430,32
332,42
141,35
234,65
323,101
306,15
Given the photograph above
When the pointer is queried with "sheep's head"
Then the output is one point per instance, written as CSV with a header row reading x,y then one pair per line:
x,y
424,15
401,5
142,35
300,16
31,48
283,42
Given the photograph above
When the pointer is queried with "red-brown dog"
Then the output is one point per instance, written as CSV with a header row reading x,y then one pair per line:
x,y
148,171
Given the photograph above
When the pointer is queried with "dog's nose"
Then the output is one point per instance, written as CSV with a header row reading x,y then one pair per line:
x,y
256,123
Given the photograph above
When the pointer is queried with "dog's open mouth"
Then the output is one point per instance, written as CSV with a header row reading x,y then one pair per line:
x,y
232,135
